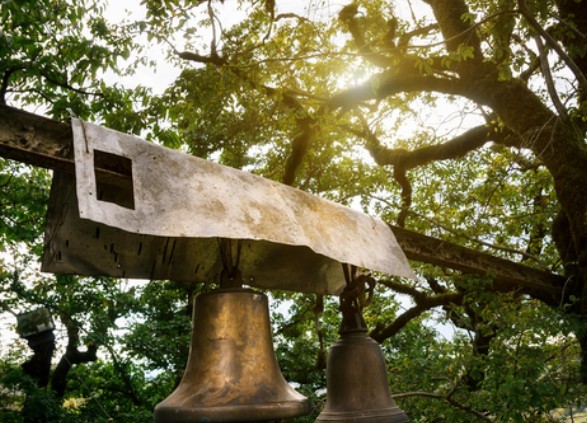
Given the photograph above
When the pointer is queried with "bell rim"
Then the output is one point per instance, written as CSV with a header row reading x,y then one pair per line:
x,y
233,413
382,415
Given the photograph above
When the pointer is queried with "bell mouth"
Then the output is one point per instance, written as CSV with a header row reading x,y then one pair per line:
x,y
233,413
384,415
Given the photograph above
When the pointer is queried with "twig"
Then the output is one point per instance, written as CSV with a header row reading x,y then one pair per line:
x,y
581,79
452,402
481,242
467,237
558,105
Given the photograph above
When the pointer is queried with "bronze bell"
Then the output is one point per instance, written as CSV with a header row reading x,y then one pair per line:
x,y
356,375
232,373
357,383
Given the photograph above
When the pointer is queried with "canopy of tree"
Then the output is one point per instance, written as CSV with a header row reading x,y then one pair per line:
x,y
460,119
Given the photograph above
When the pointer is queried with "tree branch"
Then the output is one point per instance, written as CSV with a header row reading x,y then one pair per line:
x,y
539,230
558,105
6,79
405,38
457,147
292,16
71,357
400,80
552,43
129,390
423,304
526,255
305,123
400,176
212,16
299,147
195,57
455,30
446,398
348,16
68,86
354,97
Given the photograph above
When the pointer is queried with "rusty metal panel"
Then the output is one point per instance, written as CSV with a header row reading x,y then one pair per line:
x,y
159,213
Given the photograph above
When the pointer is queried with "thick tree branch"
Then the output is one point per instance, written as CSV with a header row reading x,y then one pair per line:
x,y
401,80
526,255
527,73
71,357
318,313
306,128
380,333
506,275
39,365
457,147
456,31
348,99
299,147
484,333
348,16
378,87
573,15
305,123
195,57
473,378
68,360
556,101
212,16
539,230
423,303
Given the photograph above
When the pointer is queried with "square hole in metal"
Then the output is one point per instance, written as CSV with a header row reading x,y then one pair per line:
x,y
114,182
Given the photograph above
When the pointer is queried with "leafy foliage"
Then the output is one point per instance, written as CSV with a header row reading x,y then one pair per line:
x,y
464,120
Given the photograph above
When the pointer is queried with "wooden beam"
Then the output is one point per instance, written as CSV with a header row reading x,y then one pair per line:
x,y
36,140
39,141
42,142
507,275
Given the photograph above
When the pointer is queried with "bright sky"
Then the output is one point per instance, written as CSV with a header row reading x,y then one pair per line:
x,y
164,74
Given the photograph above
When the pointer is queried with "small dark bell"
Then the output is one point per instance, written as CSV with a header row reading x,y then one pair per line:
x,y
232,373
357,383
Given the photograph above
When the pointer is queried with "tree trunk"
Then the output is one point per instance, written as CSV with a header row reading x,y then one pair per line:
x,y
69,359
561,147
39,365
555,140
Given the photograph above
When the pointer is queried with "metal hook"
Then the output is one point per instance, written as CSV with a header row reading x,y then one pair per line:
x,y
230,277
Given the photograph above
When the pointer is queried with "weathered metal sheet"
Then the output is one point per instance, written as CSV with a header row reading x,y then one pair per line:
x,y
160,213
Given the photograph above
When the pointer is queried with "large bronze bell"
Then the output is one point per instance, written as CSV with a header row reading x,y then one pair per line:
x,y
232,374
356,381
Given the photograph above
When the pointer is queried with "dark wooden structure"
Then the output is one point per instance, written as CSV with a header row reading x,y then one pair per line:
x,y
43,142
